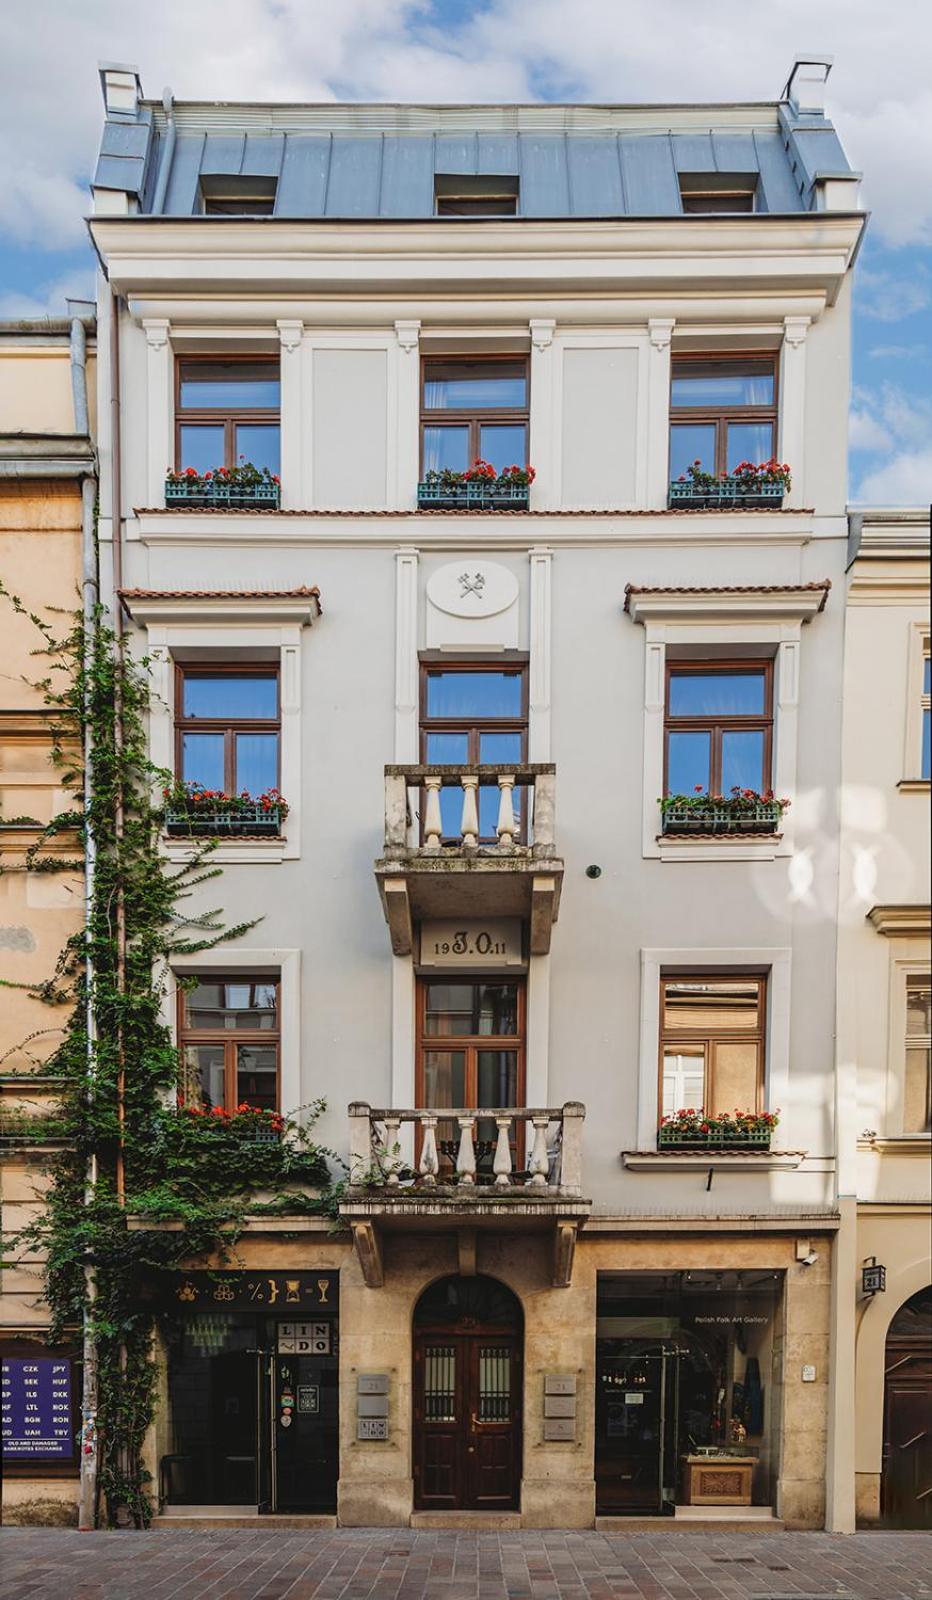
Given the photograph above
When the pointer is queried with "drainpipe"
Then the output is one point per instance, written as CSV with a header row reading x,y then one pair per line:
x,y
116,545
165,166
89,593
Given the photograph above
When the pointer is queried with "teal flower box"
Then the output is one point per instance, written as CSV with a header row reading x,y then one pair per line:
x,y
222,822
674,1136
474,496
728,494
230,497
761,818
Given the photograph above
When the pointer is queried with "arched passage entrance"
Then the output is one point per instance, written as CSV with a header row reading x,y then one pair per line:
x,y
906,1476
468,1338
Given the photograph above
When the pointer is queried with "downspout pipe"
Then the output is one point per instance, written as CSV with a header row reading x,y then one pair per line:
x,y
165,165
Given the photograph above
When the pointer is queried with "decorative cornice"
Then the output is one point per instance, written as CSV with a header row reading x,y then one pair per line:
x,y
762,602
214,605
901,922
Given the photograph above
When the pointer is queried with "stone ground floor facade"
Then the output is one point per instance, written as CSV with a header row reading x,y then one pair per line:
x,y
353,1564
681,1375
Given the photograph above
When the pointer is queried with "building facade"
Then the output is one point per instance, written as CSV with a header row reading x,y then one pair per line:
x,y
47,496
542,780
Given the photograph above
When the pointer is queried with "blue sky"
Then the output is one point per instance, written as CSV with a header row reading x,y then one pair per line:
x,y
447,50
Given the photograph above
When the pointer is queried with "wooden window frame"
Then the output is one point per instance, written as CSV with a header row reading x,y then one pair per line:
x,y
230,1038
475,418
721,416
471,1044
228,726
472,727
227,417
672,1038
715,726
925,704
916,1041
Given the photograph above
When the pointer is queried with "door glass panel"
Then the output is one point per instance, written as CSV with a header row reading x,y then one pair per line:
x,y
204,1078
447,749
749,441
444,1078
497,1007
259,444
202,447
494,1383
232,385
688,762
439,1383
503,444
684,1080
690,442
499,748
725,389
446,447
257,1076
474,696
202,759
230,697
256,762
449,1009
497,1078
734,1076
723,694
742,760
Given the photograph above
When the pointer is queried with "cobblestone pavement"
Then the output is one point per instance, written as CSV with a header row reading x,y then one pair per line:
x,y
353,1564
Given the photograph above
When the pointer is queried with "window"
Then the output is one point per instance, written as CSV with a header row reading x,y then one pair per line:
x,y
917,1089
472,714
470,1054
474,408
722,412
718,727
237,195
925,748
227,728
712,1043
227,413
229,1035
717,191
456,195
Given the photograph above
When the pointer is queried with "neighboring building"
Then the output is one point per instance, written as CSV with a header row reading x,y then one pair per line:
x,y
47,494
543,1308
884,1012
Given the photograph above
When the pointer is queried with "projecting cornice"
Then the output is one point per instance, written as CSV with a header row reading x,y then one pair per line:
x,y
761,602
148,606
901,922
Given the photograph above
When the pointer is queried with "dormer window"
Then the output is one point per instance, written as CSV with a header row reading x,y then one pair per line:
x,y
234,195
485,196
717,192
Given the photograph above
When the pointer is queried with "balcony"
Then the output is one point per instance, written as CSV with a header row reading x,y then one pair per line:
x,y
425,874
503,1168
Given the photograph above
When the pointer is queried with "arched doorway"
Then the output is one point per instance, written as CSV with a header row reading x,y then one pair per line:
x,y
906,1473
468,1337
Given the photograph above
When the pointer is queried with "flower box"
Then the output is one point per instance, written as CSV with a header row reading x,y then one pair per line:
x,y
232,496
728,494
761,818
200,820
476,495
671,1136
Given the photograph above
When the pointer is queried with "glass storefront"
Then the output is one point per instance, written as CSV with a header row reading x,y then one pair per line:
x,y
688,1389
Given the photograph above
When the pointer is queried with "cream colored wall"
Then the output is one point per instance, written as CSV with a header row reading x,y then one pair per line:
x,y
35,389
600,405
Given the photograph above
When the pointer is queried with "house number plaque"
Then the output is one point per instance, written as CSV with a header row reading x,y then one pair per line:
x,y
495,942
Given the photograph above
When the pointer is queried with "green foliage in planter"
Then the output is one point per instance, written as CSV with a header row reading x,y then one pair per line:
x,y
724,1127
739,803
245,476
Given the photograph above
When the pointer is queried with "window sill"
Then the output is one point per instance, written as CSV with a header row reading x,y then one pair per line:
x,y
716,1160
914,785
719,846
900,1144
245,851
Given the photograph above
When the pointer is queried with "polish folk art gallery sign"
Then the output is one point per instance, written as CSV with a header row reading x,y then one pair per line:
x,y
37,1411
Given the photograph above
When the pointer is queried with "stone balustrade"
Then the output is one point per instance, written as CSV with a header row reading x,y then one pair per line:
x,y
552,1146
412,807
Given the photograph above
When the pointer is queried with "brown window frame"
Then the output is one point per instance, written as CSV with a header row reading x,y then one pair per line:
x,y
473,728
230,1038
471,1044
227,417
717,725
228,726
721,416
672,1037
475,418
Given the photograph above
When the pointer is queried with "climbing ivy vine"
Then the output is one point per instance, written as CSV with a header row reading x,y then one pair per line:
x,y
132,1157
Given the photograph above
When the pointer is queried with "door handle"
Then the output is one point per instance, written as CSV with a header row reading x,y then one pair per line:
x,y
914,1440
473,1421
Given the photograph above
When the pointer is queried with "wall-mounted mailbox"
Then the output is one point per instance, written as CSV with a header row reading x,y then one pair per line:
x,y
372,1383
372,1405
372,1390
372,1428
560,1428
559,1405
560,1383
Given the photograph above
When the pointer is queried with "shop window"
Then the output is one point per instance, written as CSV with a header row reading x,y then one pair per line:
x,y
472,409
459,195
712,1042
722,413
228,728
227,413
917,1088
230,1041
474,713
718,727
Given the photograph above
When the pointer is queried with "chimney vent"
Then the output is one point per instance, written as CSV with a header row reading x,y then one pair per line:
x,y
805,88
121,88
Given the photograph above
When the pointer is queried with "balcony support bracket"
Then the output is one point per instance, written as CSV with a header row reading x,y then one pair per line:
x,y
564,1251
369,1252
397,904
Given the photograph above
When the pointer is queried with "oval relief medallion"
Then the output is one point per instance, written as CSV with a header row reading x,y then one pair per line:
x,y
472,587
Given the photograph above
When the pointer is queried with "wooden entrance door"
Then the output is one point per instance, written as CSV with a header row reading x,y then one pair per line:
x,y
467,1420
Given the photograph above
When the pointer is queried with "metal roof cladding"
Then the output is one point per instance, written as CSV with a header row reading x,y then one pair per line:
x,y
364,162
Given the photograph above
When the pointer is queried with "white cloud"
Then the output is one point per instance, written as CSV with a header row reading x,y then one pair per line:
x,y
904,481
49,298
886,296
898,352
614,50
865,432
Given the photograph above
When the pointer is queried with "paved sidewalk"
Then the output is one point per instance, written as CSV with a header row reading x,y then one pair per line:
x,y
354,1564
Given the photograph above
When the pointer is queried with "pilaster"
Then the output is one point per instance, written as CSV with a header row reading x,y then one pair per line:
x,y
291,336
660,334
160,392
792,407
544,445
402,495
